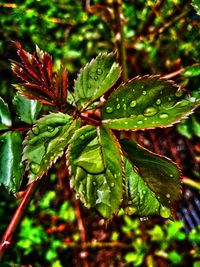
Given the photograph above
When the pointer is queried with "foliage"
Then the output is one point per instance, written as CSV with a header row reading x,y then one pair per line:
x,y
94,155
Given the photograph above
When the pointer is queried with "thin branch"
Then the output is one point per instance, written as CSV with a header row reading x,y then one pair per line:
x,y
187,181
152,16
94,245
83,237
119,35
7,237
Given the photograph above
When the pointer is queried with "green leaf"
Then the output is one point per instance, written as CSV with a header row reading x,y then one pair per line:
x,y
26,109
140,199
95,79
146,102
159,173
46,142
192,71
196,5
96,169
5,118
11,168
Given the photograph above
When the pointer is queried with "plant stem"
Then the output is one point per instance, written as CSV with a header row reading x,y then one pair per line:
x,y
7,237
94,245
119,35
190,182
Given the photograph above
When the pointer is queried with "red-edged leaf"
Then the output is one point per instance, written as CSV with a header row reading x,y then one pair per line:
x,y
61,86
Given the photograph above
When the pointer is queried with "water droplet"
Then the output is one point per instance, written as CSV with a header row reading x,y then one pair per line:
x,y
150,111
35,130
112,185
123,100
184,103
145,119
158,101
50,129
142,86
161,92
99,71
164,212
178,93
144,92
139,122
35,168
130,210
77,196
144,192
163,115
117,99
171,175
109,109
82,137
143,219
118,106
126,122
133,103
169,99
124,106
168,195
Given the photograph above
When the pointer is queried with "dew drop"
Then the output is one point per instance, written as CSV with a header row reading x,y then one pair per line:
x,y
117,99
168,195
171,175
35,130
50,129
118,106
130,210
124,106
163,115
164,212
77,196
112,185
144,92
158,101
144,192
123,100
169,99
178,93
139,122
143,219
150,111
109,109
133,103
183,103
126,122
99,71
35,168
82,137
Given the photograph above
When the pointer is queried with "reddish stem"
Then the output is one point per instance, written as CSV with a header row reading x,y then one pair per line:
x,y
7,237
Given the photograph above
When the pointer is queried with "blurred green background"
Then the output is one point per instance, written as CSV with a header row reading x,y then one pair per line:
x,y
160,37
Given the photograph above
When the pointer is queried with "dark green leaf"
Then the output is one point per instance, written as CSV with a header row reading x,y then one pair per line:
x,y
27,110
146,102
196,5
192,71
140,199
96,169
159,173
5,118
11,168
95,79
46,142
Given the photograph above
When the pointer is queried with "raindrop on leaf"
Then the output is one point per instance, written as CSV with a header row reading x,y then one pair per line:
x,y
164,212
35,130
163,115
109,109
150,111
35,168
